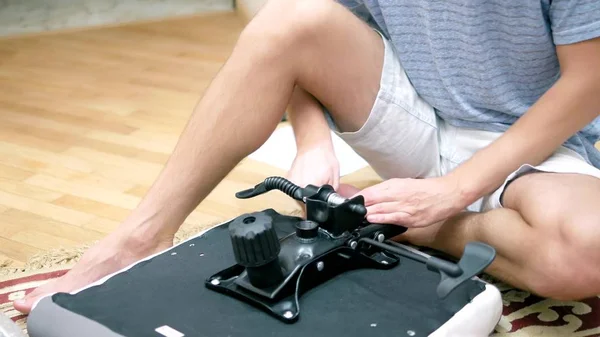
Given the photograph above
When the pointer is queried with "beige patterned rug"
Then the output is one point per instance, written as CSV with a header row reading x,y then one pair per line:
x,y
524,315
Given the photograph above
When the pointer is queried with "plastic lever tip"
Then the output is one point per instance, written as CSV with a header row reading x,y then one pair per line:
x,y
251,192
359,209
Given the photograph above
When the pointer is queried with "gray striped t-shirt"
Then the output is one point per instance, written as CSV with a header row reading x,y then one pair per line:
x,y
482,63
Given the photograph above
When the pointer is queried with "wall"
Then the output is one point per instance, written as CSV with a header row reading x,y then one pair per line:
x,y
32,16
250,7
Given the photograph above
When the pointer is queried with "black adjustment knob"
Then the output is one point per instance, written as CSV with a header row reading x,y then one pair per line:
x,y
256,247
254,240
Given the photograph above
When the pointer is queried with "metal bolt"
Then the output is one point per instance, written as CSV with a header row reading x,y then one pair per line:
x,y
353,244
215,282
201,254
288,314
410,333
380,237
320,265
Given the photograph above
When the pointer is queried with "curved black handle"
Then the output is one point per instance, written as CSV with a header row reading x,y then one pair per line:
x,y
252,192
476,257
272,183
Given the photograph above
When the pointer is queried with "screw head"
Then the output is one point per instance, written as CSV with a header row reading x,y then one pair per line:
x,y
385,262
410,333
288,314
380,237
353,244
320,265
215,282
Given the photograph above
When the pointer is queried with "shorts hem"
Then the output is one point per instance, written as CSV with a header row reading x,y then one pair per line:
x,y
569,165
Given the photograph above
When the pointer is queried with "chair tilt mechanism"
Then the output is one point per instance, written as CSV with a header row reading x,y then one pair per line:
x,y
273,271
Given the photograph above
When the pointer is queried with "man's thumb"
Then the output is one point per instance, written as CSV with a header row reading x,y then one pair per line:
x,y
346,190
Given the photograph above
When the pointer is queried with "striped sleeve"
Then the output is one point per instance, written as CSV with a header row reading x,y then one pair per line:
x,y
574,21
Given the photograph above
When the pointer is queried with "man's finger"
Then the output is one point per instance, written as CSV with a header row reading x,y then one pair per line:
x,y
383,207
347,191
336,182
375,194
398,218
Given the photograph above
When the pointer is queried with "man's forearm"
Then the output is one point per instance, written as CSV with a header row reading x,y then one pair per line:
x,y
572,103
308,121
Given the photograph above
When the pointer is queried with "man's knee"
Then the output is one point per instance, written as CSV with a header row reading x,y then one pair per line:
x,y
581,230
285,25
567,266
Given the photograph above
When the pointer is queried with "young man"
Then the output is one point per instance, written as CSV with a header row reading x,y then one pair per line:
x,y
480,105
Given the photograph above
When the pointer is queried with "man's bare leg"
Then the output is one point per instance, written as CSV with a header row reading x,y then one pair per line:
x,y
317,45
546,237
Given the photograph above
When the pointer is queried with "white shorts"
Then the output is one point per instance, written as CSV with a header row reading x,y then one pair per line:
x,y
404,138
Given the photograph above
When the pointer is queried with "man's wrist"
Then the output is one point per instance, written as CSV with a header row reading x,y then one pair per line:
x,y
323,144
467,187
312,133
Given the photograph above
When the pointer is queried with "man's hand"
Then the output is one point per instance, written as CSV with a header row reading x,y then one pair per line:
x,y
316,166
315,161
413,202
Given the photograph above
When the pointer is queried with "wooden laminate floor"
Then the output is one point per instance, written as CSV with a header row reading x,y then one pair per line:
x,y
88,118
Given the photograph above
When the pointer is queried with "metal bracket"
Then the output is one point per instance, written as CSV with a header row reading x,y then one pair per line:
x,y
283,301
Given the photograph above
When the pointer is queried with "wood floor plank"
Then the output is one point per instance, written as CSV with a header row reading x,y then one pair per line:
x,y
41,122
102,225
94,180
17,251
20,135
59,159
45,209
15,159
62,116
153,157
138,190
26,190
20,131
117,167
25,164
113,160
159,145
7,261
61,172
16,221
11,172
93,207
94,193
43,241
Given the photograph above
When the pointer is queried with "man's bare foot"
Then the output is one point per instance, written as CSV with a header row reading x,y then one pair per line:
x,y
115,252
